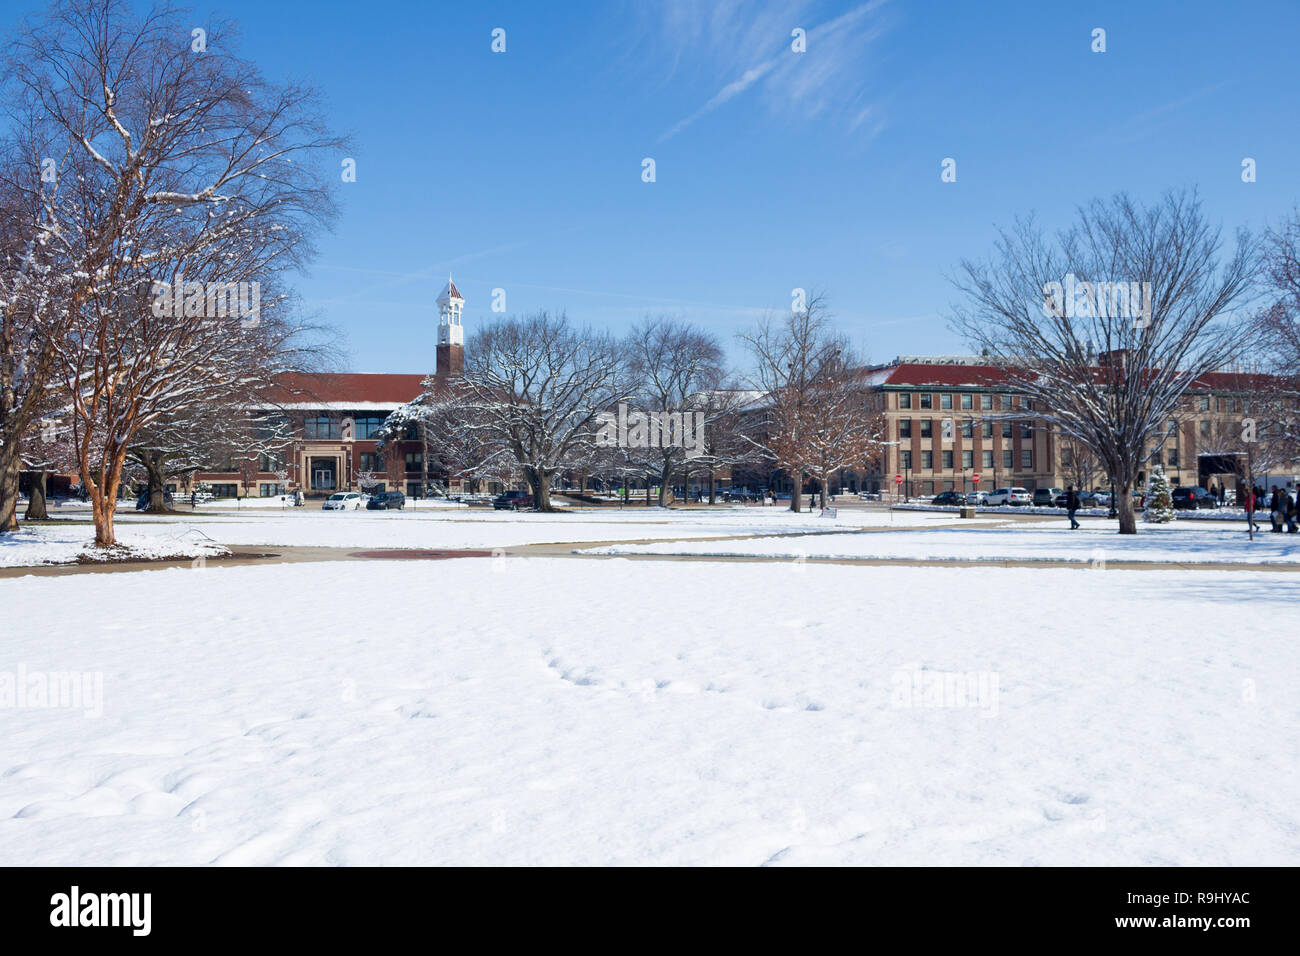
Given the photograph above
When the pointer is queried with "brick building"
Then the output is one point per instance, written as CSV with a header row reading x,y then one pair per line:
x,y
919,394
335,420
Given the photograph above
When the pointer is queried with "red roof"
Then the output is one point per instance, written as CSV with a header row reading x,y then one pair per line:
x,y
913,374
343,387
948,376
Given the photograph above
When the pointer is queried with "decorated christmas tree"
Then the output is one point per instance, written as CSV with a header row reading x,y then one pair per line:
x,y
1160,503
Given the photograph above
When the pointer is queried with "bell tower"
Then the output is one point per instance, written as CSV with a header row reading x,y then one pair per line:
x,y
451,334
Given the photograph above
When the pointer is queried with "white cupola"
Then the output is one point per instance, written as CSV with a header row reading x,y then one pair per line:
x,y
450,331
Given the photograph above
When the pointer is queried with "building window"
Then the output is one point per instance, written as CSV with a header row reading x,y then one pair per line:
x,y
967,428
927,461
1205,429
1173,458
926,399
927,427
927,487
225,491
968,459
1006,402
269,490
1173,428
372,461
945,400
1006,429
905,400
1027,459
270,461
904,428
1205,403
986,459
947,461
987,429
367,426
1026,430
321,428
414,460
907,459
986,401
967,401
1006,458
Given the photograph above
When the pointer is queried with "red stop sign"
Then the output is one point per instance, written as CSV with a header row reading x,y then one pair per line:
x,y
975,478
898,479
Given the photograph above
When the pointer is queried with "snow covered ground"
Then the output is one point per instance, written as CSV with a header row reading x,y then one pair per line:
x,y
561,711
54,544
446,529
1027,541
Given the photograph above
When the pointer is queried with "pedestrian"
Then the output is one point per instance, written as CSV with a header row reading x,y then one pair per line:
x,y
1292,512
1071,506
1276,510
1223,495
194,500
1250,502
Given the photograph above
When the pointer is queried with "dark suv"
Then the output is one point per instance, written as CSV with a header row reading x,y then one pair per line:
x,y
1193,497
512,501
386,500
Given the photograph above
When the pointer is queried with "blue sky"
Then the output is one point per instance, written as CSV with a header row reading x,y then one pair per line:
x,y
522,170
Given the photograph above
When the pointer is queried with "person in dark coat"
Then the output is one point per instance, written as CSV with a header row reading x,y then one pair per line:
x,y
1071,506
1277,509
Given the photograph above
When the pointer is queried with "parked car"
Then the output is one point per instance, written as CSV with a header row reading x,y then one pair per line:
x,y
1044,497
949,498
1009,496
342,501
512,501
1193,497
386,501
977,497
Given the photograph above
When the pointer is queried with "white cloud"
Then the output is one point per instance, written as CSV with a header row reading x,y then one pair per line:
x,y
753,40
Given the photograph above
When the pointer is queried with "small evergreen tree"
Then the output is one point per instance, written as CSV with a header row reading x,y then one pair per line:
x,y
1160,503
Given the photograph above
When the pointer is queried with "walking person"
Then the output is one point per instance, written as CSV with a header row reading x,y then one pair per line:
x,y
1276,509
1071,506
1250,502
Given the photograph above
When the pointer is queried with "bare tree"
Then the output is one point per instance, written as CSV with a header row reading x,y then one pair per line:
x,y
677,369
1105,328
532,391
817,418
177,171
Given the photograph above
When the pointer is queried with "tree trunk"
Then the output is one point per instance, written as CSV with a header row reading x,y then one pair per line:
x,y
1127,519
665,475
424,459
9,468
36,502
796,494
713,490
540,484
157,482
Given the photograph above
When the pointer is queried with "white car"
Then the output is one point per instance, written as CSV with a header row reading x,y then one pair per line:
x,y
342,501
1010,496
